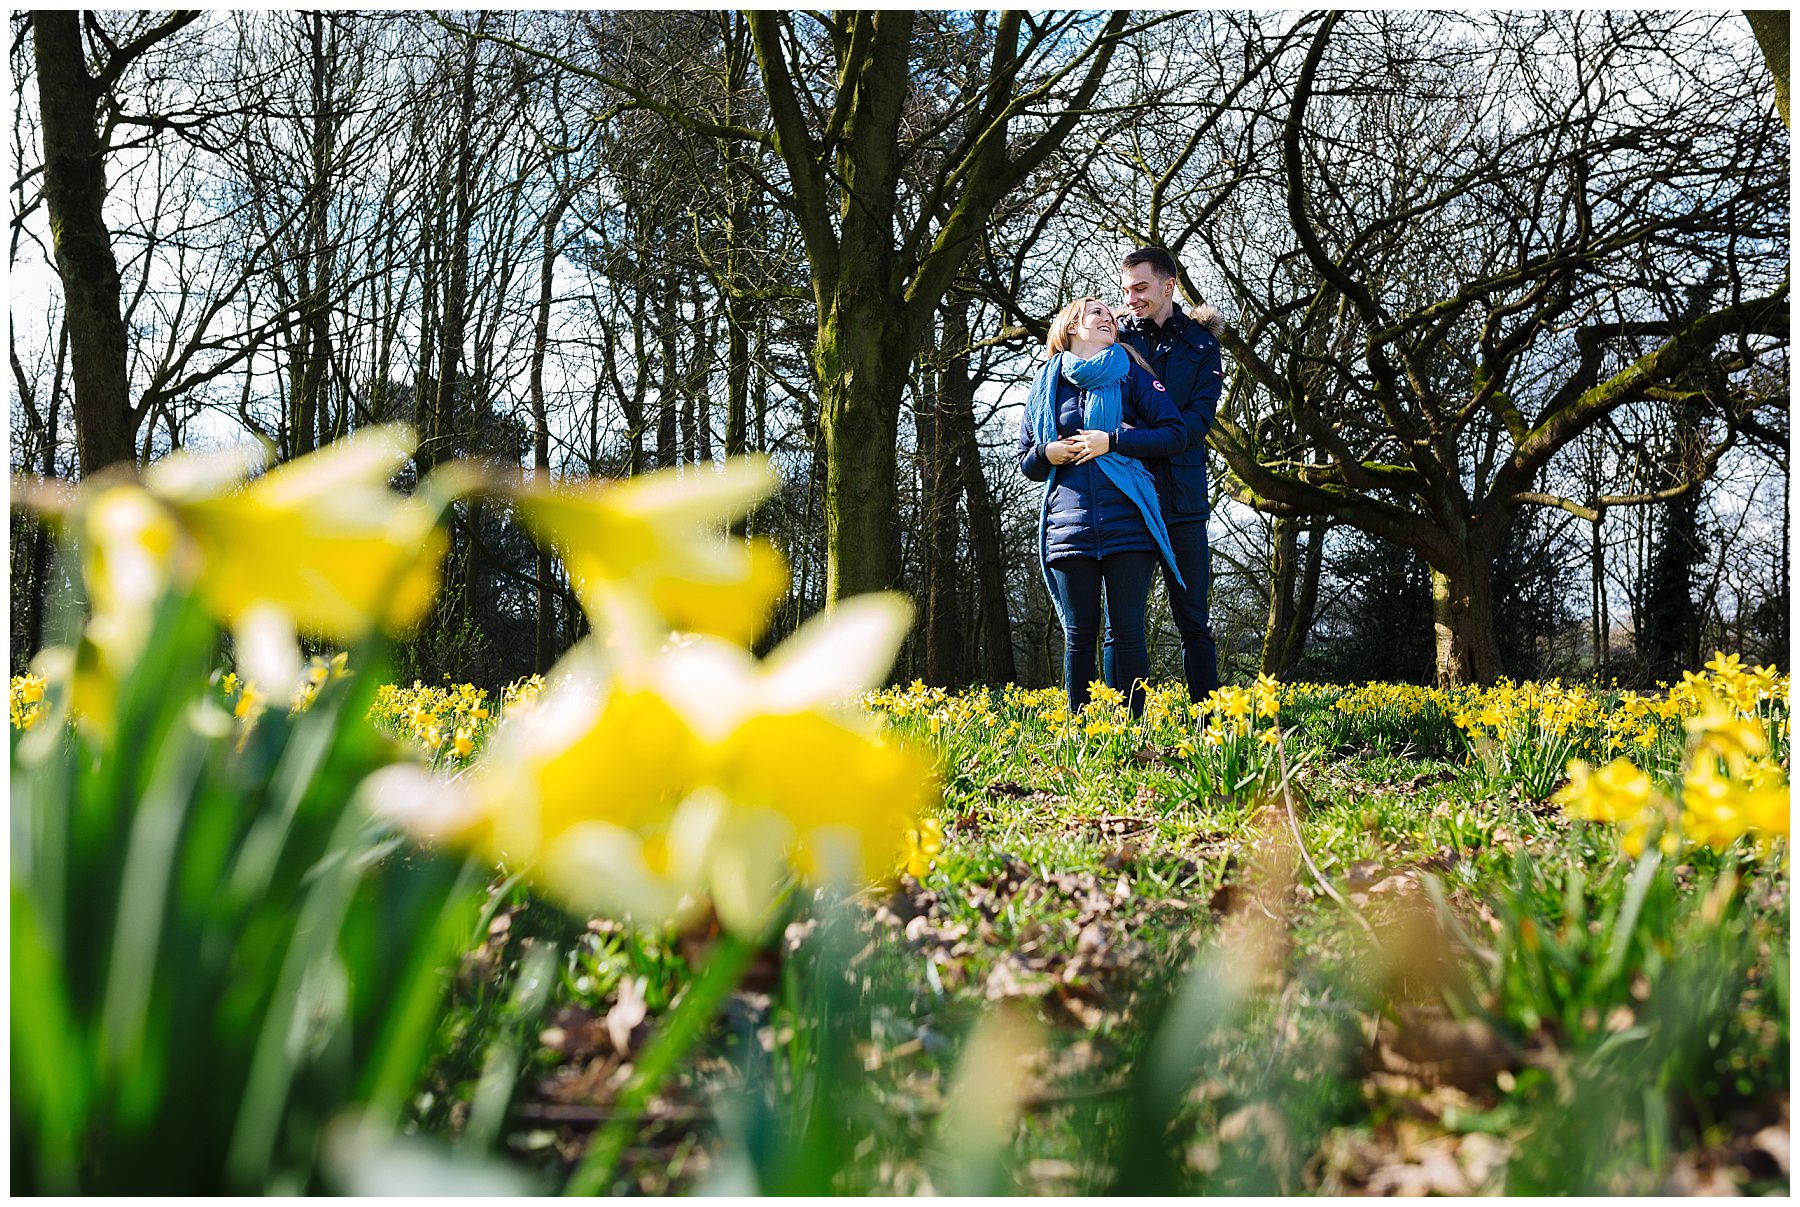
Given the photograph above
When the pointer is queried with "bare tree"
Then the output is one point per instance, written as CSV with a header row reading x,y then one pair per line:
x,y
1495,246
74,102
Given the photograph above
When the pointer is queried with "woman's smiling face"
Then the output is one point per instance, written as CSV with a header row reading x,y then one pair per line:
x,y
1096,325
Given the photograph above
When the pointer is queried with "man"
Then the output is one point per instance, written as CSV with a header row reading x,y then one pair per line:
x,y
1184,354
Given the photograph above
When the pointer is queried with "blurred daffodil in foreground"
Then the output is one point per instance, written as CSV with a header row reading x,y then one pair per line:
x,y
318,545
321,539
1619,794
696,773
659,540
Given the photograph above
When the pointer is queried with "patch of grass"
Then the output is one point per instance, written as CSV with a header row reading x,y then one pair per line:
x,y
1401,970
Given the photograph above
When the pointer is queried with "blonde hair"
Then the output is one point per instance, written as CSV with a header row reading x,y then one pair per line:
x,y
1062,330
1062,327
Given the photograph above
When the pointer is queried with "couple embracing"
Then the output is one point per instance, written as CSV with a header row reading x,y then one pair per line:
x,y
1115,428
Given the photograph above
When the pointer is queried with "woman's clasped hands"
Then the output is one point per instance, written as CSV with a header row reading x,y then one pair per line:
x,y
1083,446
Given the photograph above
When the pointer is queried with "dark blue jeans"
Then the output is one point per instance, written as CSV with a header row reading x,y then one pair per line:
x,y
1077,583
1199,656
1193,557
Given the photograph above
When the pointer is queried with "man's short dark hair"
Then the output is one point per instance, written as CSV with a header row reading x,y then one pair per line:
x,y
1160,261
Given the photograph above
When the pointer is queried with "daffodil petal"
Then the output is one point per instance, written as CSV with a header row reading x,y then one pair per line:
x,y
267,647
363,460
700,495
837,654
428,806
186,475
749,868
595,867
712,683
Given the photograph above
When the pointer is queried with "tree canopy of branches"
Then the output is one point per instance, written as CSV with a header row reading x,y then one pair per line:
x,y
1488,248
1492,280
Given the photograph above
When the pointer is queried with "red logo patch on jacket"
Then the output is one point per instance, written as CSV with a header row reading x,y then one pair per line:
x,y
1159,385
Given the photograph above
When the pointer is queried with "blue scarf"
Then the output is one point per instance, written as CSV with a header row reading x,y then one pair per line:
x,y
1099,379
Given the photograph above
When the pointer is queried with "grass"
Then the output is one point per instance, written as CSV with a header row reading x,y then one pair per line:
x,y
1141,962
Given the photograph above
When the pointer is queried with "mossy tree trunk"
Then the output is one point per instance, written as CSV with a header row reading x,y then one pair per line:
x,y
861,364
1462,614
878,277
1770,25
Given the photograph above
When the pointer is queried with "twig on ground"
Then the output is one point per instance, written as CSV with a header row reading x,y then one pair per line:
x,y
1287,799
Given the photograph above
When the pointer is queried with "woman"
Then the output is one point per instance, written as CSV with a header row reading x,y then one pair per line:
x,y
1094,411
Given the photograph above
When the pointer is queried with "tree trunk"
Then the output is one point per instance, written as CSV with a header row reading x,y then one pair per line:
x,y
74,193
633,405
1293,594
1462,609
1597,598
1307,607
543,650
861,359
956,419
38,592
938,490
456,300
737,378
1284,571
690,386
423,390
759,389
1670,638
668,386
699,399
1770,25
312,423
739,238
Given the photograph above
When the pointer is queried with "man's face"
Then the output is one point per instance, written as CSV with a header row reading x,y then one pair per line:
x,y
1147,295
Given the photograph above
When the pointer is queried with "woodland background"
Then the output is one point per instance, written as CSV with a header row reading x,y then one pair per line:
x,y
1507,300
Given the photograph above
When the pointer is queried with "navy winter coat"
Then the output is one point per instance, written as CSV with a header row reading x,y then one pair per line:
x,y
1186,358
1088,516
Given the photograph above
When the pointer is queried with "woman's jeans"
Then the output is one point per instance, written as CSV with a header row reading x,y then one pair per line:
x,y
1076,583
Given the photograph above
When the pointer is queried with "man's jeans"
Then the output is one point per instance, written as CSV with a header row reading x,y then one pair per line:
x,y
1076,583
1199,656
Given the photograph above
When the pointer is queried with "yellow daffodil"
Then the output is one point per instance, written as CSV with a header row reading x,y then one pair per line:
x,y
1766,809
321,539
1725,665
656,780
27,701
1618,792
924,842
660,539
1712,803
319,545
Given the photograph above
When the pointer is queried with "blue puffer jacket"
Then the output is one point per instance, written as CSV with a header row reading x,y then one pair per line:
x,y
1088,516
1186,357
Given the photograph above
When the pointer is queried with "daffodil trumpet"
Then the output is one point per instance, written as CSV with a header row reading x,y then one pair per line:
x,y
647,785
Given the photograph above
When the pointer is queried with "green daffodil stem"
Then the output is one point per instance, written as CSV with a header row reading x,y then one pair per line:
x,y
679,1032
